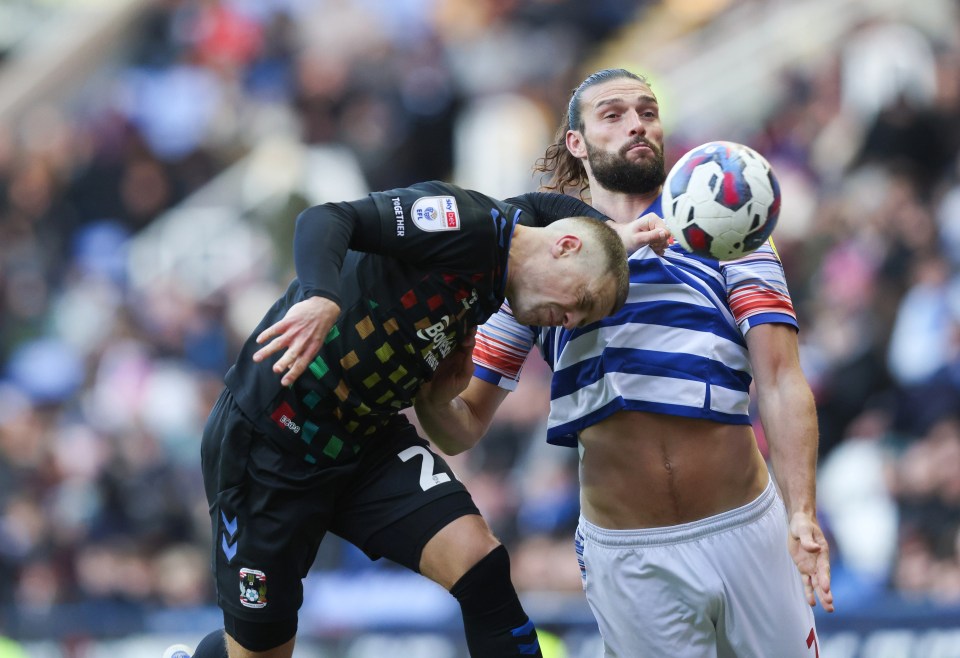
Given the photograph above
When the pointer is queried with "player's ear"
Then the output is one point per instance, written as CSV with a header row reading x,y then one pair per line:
x,y
576,144
566,245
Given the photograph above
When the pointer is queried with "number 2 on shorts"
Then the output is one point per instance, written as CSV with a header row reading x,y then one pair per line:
x,y
428,478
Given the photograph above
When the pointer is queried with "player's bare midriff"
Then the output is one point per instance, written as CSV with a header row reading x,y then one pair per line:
x,y
643,470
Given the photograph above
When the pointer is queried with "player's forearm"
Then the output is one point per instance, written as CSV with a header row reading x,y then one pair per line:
x,y
453,427
546,207
790,425
320,242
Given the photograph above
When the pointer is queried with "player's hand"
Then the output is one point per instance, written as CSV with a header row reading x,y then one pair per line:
x,y
648,230
301,333
810,552
452,375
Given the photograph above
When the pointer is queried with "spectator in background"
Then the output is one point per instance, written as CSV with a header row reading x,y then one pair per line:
x,y
859,509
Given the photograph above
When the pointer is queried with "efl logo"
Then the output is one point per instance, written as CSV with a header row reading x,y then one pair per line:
x,y
283,416
436,213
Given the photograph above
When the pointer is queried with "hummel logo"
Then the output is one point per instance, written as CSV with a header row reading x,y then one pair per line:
x,y
229,549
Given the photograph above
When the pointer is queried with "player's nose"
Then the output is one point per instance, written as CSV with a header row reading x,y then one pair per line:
x,y
636,125
573,319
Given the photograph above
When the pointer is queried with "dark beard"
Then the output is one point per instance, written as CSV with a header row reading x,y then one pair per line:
x,y
615,173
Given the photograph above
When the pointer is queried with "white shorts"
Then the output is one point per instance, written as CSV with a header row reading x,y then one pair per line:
x,y
724,586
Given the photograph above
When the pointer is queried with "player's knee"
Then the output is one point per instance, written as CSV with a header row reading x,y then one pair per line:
x,y
487,580
457,548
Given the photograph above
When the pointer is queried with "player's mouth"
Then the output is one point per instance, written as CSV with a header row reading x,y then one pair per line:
x,y
638,147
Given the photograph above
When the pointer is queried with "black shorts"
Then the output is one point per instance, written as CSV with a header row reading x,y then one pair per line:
x,y
269,508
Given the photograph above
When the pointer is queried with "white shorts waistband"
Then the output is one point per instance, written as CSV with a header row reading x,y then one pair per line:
x,y
683,532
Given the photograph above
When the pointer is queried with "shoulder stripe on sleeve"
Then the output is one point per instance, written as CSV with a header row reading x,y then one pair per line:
x,y
756,284
503,344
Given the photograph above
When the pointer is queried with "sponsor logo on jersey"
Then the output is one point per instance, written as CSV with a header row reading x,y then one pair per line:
x,y
398,215
253,588
284,417
434,330
436,333
442,341
436,213
468,302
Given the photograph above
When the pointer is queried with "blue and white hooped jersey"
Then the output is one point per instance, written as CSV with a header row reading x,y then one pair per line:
x,y
676,347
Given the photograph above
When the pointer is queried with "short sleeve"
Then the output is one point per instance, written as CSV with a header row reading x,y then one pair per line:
x,y
502,346
757,289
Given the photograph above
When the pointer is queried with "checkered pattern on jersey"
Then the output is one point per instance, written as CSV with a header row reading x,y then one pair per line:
x,y
374,360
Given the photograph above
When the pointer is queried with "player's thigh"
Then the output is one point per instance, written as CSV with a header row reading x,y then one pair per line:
x,y
266,528
766,612
404,496
647,601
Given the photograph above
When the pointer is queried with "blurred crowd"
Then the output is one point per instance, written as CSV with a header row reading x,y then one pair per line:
x,y
104,388
869,142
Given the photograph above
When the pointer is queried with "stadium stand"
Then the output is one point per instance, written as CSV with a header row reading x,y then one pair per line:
x,y
153,154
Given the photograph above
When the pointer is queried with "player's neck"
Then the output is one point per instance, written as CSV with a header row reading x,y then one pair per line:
x,y
619,206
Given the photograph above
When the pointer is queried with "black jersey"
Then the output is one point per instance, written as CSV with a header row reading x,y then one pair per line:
x,y
426,264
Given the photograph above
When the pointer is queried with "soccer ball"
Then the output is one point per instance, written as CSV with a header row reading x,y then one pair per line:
x,y
721,200
177,651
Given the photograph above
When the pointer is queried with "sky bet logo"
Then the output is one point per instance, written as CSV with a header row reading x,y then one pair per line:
x,y
450,213
283,416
